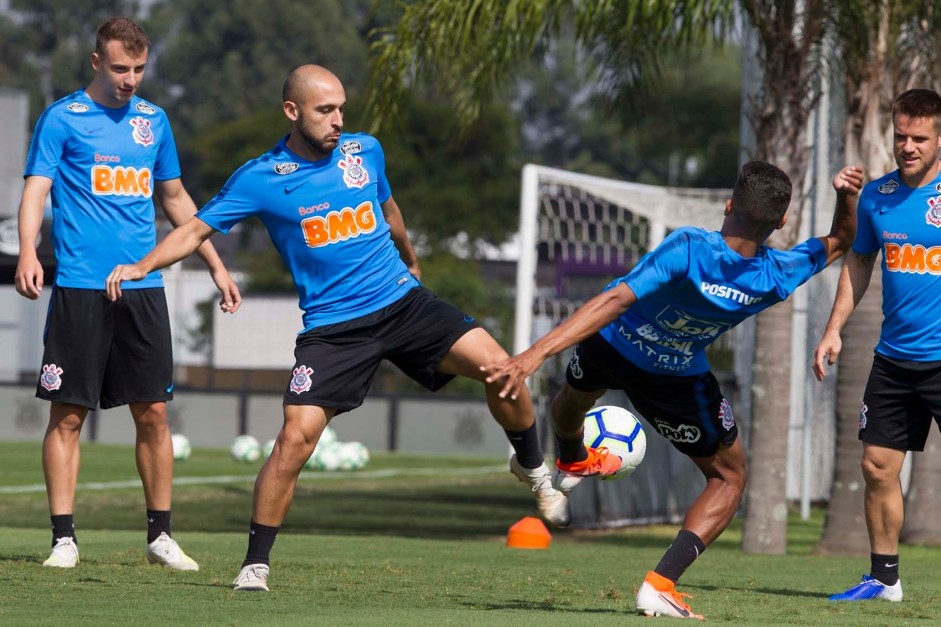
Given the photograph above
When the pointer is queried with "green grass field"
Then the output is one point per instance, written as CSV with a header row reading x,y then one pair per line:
x,y
410,541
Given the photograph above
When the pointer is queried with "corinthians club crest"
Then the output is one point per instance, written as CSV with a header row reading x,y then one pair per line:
x,y
142,134
51,377
354,174
300,382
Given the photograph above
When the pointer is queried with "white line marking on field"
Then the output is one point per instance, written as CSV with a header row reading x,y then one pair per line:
x,y
326,476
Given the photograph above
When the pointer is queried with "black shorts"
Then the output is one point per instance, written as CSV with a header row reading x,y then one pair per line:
x,y
112,353
334,365
690,411
900,399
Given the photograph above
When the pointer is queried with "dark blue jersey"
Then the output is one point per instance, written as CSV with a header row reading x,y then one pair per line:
x,y
325,218
693,288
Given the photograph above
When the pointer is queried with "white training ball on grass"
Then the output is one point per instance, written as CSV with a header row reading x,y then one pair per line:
x,y
246,448
329,436
327,457
181,446
353,456
269,446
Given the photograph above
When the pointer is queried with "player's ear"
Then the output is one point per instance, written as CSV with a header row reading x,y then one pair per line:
x,y
728,207
783,222
290,110
95,61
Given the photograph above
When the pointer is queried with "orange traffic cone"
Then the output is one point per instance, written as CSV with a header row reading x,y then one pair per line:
x,y
528,533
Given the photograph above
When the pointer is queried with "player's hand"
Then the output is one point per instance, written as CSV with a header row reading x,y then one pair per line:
x,y
231,297
29,277
415,271
514,370
828,349
131,272
849,180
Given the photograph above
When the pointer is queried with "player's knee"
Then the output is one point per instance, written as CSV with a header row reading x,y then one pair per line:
x,y
877,472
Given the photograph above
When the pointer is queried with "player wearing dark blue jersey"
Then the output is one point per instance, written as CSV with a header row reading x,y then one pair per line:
x,y
646,334
899,215
324,198
103,153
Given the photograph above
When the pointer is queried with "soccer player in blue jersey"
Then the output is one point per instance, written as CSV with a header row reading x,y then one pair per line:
x,y
103,152
324,197
900,215
646,334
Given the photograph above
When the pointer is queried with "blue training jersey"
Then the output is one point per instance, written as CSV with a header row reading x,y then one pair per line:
x,y
693,288
325,219
905,224
103,163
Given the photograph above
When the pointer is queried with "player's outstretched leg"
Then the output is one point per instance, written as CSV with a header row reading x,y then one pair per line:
x,y
658,596
553,505
577,461
870,588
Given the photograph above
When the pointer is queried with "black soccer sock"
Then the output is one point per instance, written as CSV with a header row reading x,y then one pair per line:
x,y
260,540
158,521
571,451
526,445
63,527
885,568
682,553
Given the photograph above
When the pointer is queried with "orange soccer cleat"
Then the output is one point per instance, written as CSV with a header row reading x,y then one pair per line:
x,y
600,463
658,597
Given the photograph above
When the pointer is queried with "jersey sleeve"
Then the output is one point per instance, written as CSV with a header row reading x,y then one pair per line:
x,y
383,189
667,262
241,197
796,266
48,145
866,242
167,165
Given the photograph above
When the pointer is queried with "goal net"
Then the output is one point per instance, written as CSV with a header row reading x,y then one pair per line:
x,y
577,232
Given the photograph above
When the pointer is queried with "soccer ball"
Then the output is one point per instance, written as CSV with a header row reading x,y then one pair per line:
x,y
619,431
245,448
181,446
327,457
329,436
353,456
269,446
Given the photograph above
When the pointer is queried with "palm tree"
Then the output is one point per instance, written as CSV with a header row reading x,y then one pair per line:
x,y
887,47
471,48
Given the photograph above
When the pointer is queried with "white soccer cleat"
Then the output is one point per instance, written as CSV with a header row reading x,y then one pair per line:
x,y
166,552
553,505
658,597
253,577
64,554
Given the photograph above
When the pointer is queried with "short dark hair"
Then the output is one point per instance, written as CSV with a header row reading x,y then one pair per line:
x,y
125,30
919,103
761,195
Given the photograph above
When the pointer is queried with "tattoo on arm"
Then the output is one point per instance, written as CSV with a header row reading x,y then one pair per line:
x,y
866,258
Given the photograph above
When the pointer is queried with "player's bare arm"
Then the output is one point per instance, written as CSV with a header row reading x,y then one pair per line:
x,y
848,182
854,280
393,216
179,207
29,272
179,244
590,318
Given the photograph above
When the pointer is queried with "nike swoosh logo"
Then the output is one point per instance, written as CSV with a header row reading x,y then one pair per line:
x,y
288,190
892,565
169,388
150,520
468,319
679,609
91,131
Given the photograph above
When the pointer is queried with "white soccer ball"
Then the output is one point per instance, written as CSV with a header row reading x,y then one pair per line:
x,y
353,456
266,450
327,457
181,446
329,436
245,448
619,431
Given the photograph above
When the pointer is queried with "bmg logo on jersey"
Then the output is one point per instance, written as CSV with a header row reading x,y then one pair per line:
x,y
912,259
109,180
338,226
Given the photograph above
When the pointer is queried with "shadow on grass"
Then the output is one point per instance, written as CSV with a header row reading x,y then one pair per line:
x,y
539,606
